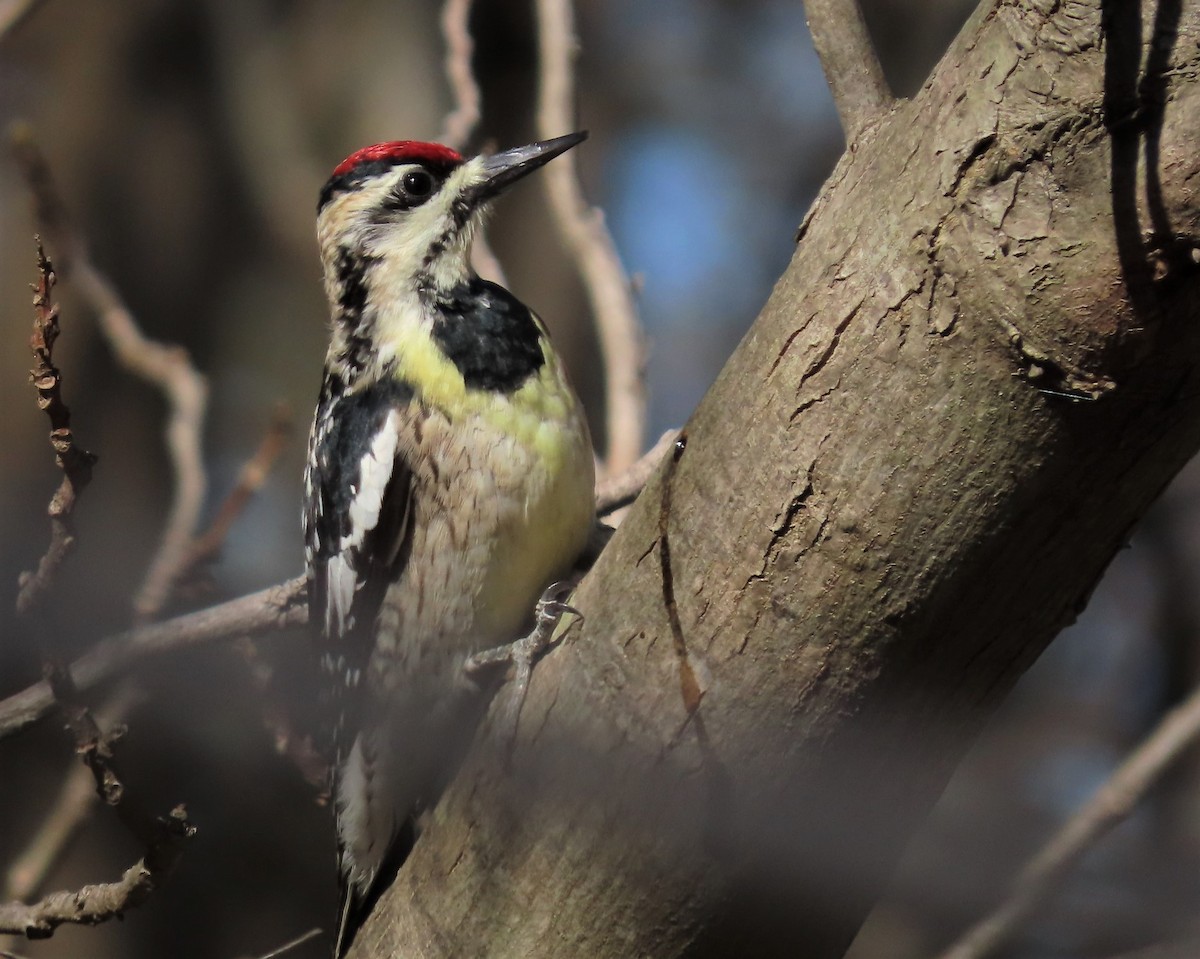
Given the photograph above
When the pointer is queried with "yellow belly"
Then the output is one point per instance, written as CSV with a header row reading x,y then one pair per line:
x,y
503,505
539,539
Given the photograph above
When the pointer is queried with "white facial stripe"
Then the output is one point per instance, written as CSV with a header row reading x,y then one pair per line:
x,y
429,239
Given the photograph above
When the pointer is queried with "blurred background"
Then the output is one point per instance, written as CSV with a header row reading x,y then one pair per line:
x,y
189,139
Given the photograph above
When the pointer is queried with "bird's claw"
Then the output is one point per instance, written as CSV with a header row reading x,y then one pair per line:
x,y
522,653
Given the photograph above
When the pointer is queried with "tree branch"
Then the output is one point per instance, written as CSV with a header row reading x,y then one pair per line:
x,y
615,492
885,510
254,472
296,746
76,799
13,13
860,90
269,610
161,838
461,121
459,124
90,905
291,944
167,366
583,228
1112,803
74,461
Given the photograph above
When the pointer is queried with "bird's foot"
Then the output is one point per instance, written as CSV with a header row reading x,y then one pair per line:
x,y
521,654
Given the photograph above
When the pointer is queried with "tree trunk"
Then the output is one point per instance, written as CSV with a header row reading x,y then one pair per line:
x,y
975,375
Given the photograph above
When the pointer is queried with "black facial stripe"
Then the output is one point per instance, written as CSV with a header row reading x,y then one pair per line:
x,y
352,281
489,335
351,179
461,210
396,202
351,317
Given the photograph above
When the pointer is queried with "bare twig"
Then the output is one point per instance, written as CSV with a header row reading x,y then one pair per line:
x,y
170,368
618,491
165,365
1182,949
860,90
75,462
90,905
76,799
162,838
292,944
591,244
461,121
253,475
14,12
297,747
265,115
1112,803
269,610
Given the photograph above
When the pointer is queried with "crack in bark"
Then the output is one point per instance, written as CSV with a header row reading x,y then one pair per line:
x,y
810,403
780,531
976,156
787,345
689,685
827,354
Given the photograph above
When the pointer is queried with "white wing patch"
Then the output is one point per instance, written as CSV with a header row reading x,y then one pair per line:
x,y
374,474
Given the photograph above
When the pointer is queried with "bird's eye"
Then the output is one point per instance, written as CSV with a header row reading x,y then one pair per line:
x,y
417,183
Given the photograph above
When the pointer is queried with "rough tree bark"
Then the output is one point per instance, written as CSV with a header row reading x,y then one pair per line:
x,y
977,372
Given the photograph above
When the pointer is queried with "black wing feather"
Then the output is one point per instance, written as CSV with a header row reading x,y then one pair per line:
x,y
356,474
345,431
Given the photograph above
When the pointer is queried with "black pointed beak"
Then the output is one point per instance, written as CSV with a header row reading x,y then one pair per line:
x,y
505,168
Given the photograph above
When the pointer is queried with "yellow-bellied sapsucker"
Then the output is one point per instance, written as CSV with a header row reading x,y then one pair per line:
x,y
449,480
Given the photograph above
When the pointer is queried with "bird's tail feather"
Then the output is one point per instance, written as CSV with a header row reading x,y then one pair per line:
x,y
356,904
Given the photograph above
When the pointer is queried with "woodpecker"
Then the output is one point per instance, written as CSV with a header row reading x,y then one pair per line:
x,y
449,480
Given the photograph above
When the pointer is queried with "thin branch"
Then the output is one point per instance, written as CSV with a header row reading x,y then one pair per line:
x,y
162,838
159,836
591,244
75,802
1113,802
616,492
860,90
289,742
461,121
89,906
167,366
74,461
76,799
459,124
270,610
292,943
13,13
1182,949
205,547
265,115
